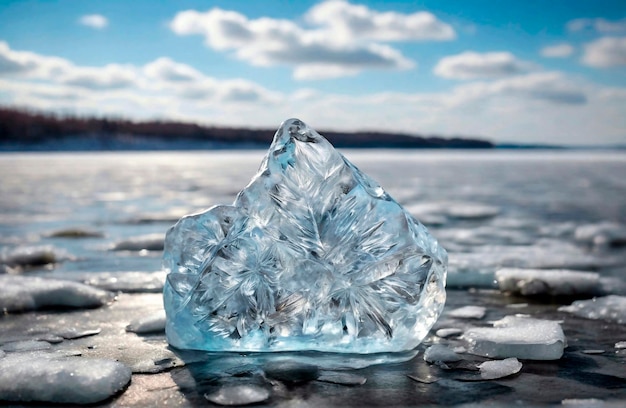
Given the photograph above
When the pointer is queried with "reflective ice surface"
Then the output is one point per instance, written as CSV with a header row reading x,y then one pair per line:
x,y
313,255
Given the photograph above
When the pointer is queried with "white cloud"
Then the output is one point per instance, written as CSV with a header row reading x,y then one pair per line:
x,y
549,107
473,65
96,21
342,42
352,22
605,52
598,24
561,50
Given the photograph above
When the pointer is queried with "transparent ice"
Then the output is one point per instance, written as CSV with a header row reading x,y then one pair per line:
x,y
313,255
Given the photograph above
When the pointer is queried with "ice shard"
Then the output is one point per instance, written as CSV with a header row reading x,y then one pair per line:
x,y
312,255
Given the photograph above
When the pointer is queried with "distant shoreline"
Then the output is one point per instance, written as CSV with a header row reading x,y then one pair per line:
x,y
25,130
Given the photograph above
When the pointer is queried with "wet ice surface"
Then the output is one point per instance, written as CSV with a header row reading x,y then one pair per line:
x,y
544,203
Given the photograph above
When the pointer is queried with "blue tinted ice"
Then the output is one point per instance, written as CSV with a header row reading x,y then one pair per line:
x,y
313,255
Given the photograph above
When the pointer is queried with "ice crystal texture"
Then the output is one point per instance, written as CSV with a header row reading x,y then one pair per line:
x,y
313,255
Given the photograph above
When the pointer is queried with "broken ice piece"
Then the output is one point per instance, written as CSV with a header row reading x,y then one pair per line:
x,y
448,332
468,312
313,255
238,395
154,323
74,380
611,308
439,352
620,345
520,337
491,370
21,293
550,282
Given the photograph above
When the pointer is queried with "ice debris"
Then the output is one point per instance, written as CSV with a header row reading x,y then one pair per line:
x,y
468,312
536,282
611,308
448,332
313,255
602,234
48,378
440,352
154,323
21,293
520,337
148,242
492,370
233,395
343,378
26,345
620,345
33,256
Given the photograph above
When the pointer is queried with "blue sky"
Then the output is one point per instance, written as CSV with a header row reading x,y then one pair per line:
x,y
525,71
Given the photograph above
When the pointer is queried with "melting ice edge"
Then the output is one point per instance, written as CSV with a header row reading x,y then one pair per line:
x,y
312,255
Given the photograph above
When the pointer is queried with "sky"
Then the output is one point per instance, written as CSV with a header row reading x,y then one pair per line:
x,y
528,71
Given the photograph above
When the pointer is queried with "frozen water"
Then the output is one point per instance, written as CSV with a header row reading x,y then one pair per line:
x,y
26,345
521,337
343,378
439,352
20,293
238,395
149,242
313,255
468,312
611,308
154,323
620,345
448,332
38,377
491,370
533,282
602,234
32,256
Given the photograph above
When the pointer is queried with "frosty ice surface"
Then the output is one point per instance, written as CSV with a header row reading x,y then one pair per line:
x,y
313,255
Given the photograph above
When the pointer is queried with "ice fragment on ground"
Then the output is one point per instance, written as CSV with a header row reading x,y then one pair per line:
x,y
472,211
337,377
602,234
424,379
313,255
520,337
238,395
620,345
128,282
448,332
592,351
149,242
73,333
32,256
439,352
74,380
26,345
611,308
491,370
535,282
75,233
21,293
468,312
154,323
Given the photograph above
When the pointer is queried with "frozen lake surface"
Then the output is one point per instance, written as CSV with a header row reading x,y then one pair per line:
x,y
99,218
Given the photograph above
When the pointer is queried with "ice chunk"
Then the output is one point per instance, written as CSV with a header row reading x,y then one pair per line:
x,y
448,332
620,345
439,352
602,234
520,337
148,242
154,323
468,312
313,255
26,345
31,256
534,282
73,380
491,370
20,293
232,395
611,308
